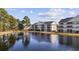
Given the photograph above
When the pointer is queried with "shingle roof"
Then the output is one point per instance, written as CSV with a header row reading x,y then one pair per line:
x,y
75,19
65,20
47,22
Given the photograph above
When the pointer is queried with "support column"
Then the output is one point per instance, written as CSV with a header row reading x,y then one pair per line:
x,y
45,27
34,27
40,27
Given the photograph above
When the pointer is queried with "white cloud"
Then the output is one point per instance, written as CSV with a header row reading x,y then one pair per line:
x,y
57,10
31,11
10,9
52,12
58,13
13,9
71,8
23,11
62,17
47,14
72,13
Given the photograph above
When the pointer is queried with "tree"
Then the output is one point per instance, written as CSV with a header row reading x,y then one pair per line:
x,y
12,22
26,21
8,22
20,26
18,21
4,17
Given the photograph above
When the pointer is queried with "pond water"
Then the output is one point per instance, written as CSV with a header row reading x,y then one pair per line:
x,y
38,42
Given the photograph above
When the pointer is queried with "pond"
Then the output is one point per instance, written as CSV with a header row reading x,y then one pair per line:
x,y
38,42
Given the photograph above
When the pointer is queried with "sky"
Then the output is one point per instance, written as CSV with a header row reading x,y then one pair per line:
x,y
43,14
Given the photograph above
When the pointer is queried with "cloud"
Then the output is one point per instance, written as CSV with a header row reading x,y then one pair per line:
x,y
31,11
44,14
23,11
72,13
13,9
52,12
58,13
57,10
10,9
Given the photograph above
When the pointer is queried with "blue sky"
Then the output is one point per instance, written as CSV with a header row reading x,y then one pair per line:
x,y
43,14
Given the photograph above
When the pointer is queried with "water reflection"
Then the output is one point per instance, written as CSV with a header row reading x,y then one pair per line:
x,y
38,42
44,42
70,41
12,40
26,39
41,37
54,40
7,41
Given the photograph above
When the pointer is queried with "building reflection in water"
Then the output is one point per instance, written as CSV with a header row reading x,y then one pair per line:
x,y
70,41
51,38
41,37
54,40
41,40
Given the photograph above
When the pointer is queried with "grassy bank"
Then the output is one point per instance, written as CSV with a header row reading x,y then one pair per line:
x,y
8,32
5,32
66,34
43,32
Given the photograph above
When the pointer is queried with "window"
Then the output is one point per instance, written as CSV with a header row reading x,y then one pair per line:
x,y
69,23
62,23
60,26
69,26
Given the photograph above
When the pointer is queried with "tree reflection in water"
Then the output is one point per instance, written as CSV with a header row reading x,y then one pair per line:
x,y
20,36
12,40
6,42
26,39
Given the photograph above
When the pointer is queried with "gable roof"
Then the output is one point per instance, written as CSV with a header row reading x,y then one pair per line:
x,y
47,22
75,19
65,20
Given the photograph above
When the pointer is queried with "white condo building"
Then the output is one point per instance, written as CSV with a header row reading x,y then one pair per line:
x,y
70,25
44,26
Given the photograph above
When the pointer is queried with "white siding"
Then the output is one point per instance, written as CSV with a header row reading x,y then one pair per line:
x,y
54,26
